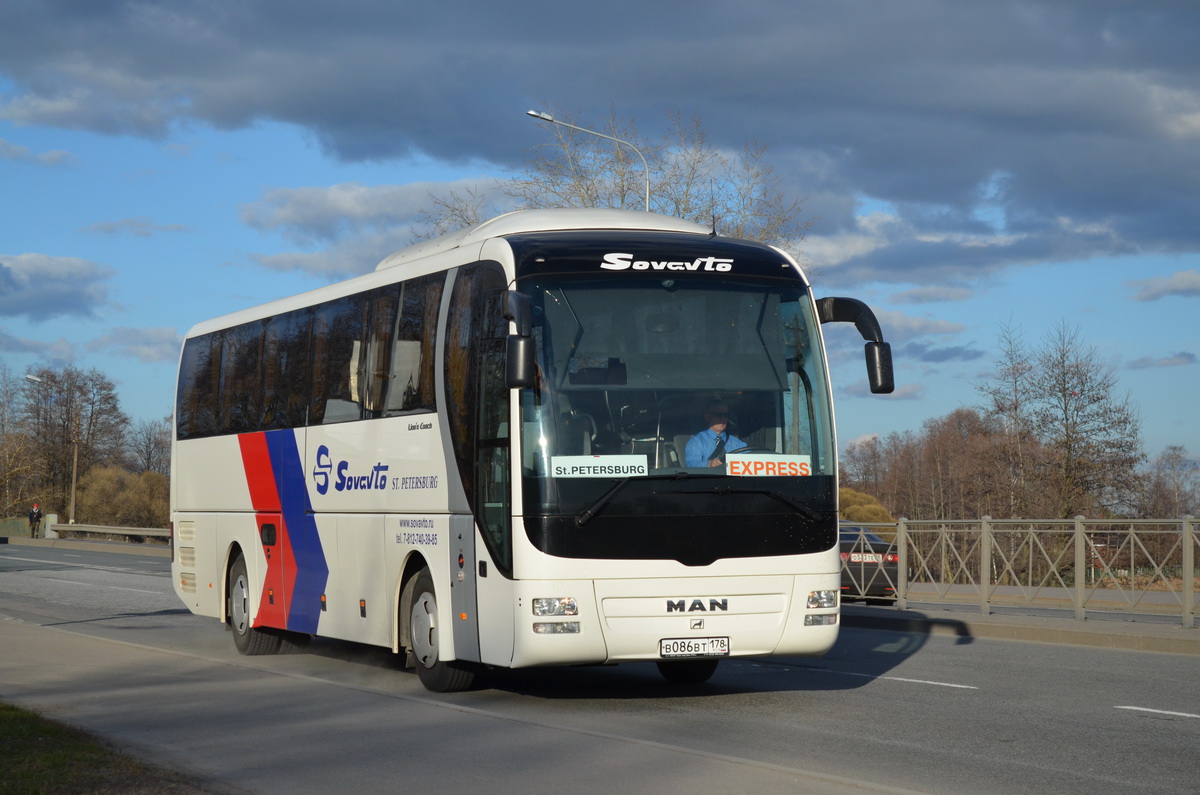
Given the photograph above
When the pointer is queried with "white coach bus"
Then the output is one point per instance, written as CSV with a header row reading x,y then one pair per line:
x,y
477,455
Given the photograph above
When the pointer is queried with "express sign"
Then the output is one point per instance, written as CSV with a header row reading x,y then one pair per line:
x,y
768,465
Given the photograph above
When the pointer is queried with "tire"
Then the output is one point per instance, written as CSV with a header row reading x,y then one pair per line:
x,y
290,642
687,672
423,642
247,639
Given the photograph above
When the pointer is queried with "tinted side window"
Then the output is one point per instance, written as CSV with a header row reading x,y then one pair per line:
x,y
199,374
366,355
240,395
286,370
412,370
337,349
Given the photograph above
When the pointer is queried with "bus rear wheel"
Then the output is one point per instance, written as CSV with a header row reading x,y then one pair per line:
x,y
687,672
246,638
424,644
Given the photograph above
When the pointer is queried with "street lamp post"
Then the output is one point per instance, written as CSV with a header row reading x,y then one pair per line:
x,y
543,116
74,420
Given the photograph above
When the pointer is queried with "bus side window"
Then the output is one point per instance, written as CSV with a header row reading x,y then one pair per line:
x,y
286,369
240,396
199,374
337,345
374,364
411,383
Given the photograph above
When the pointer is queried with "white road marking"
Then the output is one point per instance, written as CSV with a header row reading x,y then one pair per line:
x,y
837,672
1161,712
900,679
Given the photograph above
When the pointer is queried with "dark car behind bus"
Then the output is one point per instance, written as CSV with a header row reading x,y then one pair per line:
x,y
870,565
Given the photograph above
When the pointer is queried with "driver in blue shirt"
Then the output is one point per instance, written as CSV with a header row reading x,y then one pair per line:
x,y
707,448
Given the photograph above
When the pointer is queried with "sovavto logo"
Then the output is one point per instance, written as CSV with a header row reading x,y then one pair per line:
x,y
620,262
376,478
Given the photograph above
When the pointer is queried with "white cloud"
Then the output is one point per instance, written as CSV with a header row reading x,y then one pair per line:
x,y
1181,359
932,295
143,344
903,391
1182,283
22,154
135,227
41,286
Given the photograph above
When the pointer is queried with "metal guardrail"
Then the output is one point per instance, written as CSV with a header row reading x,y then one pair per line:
x,y
1135,566
133,535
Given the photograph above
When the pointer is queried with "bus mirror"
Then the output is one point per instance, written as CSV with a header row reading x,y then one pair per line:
x,y
519,309
520,367
879,368
850,310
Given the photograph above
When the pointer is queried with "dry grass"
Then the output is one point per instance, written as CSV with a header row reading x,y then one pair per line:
x,y
41,756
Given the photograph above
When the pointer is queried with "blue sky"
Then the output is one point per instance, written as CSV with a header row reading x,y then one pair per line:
x,y
965,166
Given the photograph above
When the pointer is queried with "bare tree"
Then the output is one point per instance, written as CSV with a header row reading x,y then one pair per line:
x,y
15,465
1171,487
453,211
149,446
73,421
1092,436
1054,440
1010,393
738,192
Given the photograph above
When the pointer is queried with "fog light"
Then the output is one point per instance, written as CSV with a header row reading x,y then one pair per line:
x,y
822,600
556,606
821,620
556,628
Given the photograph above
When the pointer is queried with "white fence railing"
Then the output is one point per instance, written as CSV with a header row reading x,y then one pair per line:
x,y
1146,566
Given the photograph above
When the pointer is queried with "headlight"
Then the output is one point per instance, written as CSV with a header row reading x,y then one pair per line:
x,y
556,628
822,600
556,606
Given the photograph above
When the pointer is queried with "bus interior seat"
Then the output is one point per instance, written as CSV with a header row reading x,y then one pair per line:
x,y
638,422
681,440
576,429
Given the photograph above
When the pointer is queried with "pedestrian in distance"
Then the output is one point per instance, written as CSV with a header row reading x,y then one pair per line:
x,y
35,521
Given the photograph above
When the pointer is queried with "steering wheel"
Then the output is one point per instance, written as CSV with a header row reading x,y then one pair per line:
x,y
752,450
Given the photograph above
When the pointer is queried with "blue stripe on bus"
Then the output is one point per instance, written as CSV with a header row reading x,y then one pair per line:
x,y
312,570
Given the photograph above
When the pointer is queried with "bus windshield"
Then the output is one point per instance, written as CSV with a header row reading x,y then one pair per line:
x,y
670,401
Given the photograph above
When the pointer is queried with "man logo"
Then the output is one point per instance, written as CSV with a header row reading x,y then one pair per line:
x,y
697,606
697,623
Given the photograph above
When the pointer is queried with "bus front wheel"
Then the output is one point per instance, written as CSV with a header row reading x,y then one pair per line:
x,y
423,633
246,638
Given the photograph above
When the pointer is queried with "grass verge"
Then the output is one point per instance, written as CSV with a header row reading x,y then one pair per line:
x,y
41,756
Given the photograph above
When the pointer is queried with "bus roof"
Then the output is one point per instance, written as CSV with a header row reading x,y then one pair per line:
x,y
555,220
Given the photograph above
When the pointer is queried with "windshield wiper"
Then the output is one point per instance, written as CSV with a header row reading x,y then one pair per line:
x,y
589,513
800,508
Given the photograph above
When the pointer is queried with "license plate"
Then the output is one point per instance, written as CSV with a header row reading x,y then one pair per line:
x,y
693,647
865,557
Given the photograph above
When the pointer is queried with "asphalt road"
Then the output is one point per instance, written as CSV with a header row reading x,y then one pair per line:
x,y
100,641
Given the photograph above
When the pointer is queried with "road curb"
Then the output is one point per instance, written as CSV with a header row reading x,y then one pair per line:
x,y
1126,635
